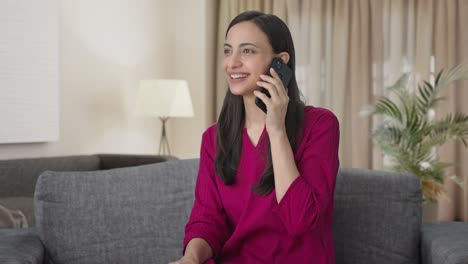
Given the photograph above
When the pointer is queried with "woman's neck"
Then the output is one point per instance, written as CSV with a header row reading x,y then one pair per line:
x,y
254,116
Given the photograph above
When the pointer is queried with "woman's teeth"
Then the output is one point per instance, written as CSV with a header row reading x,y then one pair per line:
x,y
238,76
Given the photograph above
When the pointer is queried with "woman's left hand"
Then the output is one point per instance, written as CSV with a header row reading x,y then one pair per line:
x,y
277,105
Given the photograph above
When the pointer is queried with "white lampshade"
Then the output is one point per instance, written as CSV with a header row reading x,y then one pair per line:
x,y
164,98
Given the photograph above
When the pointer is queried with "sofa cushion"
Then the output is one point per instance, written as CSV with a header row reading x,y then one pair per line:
x,y
377,217
444,242
20,245
125,215
18,176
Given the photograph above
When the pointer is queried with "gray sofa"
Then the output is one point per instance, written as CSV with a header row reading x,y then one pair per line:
x,y
18,176
137,215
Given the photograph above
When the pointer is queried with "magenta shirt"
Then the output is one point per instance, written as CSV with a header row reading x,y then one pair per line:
x,y
244,227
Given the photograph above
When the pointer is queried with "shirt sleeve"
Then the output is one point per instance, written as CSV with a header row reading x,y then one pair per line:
x,y
311,194
208,219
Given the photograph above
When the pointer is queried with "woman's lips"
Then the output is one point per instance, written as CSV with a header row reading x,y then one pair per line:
x,y
235,78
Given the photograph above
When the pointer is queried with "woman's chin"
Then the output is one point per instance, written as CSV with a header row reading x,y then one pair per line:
x,y
242,91
237,92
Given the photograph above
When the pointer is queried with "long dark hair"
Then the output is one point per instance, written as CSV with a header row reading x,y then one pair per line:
x,y
232,117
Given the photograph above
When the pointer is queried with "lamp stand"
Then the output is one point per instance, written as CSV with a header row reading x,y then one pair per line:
x,y
164,143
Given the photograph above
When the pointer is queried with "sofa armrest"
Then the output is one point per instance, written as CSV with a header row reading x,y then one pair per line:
x,y
112,161
20,245
444,243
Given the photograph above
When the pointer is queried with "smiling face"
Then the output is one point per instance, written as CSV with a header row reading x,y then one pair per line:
x,y
247,55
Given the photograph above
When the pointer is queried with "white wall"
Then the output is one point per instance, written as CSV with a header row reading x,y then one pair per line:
x,y
29,71
194,51
106,47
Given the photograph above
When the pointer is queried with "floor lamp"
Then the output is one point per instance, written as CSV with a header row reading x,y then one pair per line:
x,y
164,99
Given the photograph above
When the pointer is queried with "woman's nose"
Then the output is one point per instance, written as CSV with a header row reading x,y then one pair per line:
x,y
234,61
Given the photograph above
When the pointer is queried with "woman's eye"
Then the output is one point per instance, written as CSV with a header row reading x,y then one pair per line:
x,y
227,51
248,51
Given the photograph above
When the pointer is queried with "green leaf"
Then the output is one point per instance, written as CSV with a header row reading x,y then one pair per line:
x,y
386,107
407,135
437,80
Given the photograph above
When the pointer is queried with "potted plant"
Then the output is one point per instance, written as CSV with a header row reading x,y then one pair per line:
x,y
409,132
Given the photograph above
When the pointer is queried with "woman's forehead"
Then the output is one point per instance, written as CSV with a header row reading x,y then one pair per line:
x,y
246,32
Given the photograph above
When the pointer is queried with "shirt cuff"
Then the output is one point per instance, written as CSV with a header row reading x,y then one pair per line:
x,y
297,187
215,246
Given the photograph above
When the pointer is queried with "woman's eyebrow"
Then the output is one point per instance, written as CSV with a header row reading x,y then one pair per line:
x,y
241,45
247,44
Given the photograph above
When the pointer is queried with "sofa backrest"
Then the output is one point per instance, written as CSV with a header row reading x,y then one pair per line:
x,y
112,161
125,215
138,214
18,176
377,217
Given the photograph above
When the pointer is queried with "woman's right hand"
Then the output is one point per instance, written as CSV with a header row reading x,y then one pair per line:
x,y
185,260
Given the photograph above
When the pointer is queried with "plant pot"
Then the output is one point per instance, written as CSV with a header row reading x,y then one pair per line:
x,y
429,212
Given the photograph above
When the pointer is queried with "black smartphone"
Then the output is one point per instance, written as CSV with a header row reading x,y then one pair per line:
x,y
284,72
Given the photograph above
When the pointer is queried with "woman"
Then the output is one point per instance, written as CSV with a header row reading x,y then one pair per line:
x,y
264,191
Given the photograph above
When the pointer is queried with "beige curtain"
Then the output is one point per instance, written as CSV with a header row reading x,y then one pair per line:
x,y
348,51
415,31
450,47
333,53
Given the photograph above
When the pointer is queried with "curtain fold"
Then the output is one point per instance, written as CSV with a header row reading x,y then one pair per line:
x,y
334,68
450,48
462,95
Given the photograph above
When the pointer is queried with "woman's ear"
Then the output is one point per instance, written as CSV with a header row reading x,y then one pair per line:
x,y
284,57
